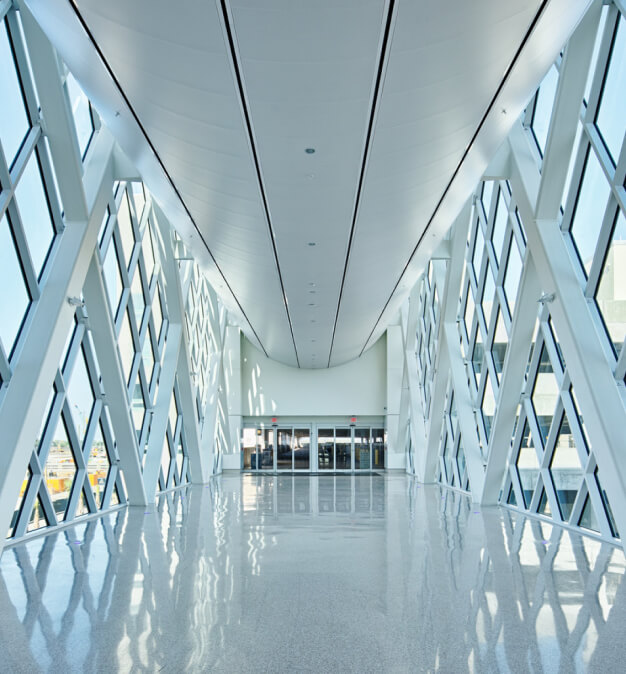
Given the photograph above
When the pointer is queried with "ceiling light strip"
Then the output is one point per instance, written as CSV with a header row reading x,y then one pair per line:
x,y
366,151
109,69
505,77
255,157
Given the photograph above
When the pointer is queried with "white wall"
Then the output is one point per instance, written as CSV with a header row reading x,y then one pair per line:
x,y
270,388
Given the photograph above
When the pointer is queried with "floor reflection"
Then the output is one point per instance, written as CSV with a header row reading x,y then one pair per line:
x,y
307,573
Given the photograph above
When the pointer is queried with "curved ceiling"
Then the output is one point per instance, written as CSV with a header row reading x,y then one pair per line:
x,y
218,102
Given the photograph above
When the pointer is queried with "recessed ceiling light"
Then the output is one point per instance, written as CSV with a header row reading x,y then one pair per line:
x,y
312,284
310,150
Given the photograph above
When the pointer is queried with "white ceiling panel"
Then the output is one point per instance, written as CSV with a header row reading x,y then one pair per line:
x,y
216,101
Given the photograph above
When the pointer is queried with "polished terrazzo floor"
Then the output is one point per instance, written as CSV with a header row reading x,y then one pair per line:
x,y
313,574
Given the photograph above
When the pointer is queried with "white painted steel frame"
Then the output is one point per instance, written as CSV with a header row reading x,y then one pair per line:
x,y
72,285
553,287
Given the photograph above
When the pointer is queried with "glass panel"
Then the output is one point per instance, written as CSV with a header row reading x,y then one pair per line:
x,y
565,468
378,448
301,448
34,213
126,229
37,517
81,111
544,505
148,254
267,458
325,449
607,506
479,247
256,449
610,118
98,466
139,198
60,470
14,123
112,278
148,357
488,406
543,108
138,408
80,396
512,275
527,465
500,342
511,497
179,462
545,394
248,443
20,498
590,206
165,463
488,296
596,49
362,457
139,304
486,196
343,449
499,228
611,292
126,346
469,312
284,453
157,313
588,517
477,356
14,297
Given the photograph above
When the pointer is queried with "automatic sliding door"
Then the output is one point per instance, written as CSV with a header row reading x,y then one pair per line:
x,y
302,449
378,447
343,449
325,449
266,460
362,451
284,449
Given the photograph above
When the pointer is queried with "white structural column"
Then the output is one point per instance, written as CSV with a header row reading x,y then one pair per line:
x,y
216,392
520,341
450,343
396,434
232,375
103,332
50,321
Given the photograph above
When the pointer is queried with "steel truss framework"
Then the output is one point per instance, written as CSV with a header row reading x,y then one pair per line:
x,y
111,339
514,335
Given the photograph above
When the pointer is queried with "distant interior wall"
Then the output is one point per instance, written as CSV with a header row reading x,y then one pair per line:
x,y
355,388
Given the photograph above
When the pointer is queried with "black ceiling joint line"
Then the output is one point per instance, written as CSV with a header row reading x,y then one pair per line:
x,y
109,69
368,141
257,165
503,81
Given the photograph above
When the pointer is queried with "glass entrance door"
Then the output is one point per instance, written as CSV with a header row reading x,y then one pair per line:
x,y
258,448
293,449
343,449
362,450
284,450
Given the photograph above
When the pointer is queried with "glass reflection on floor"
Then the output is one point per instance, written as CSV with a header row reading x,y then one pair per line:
x,y
414,577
